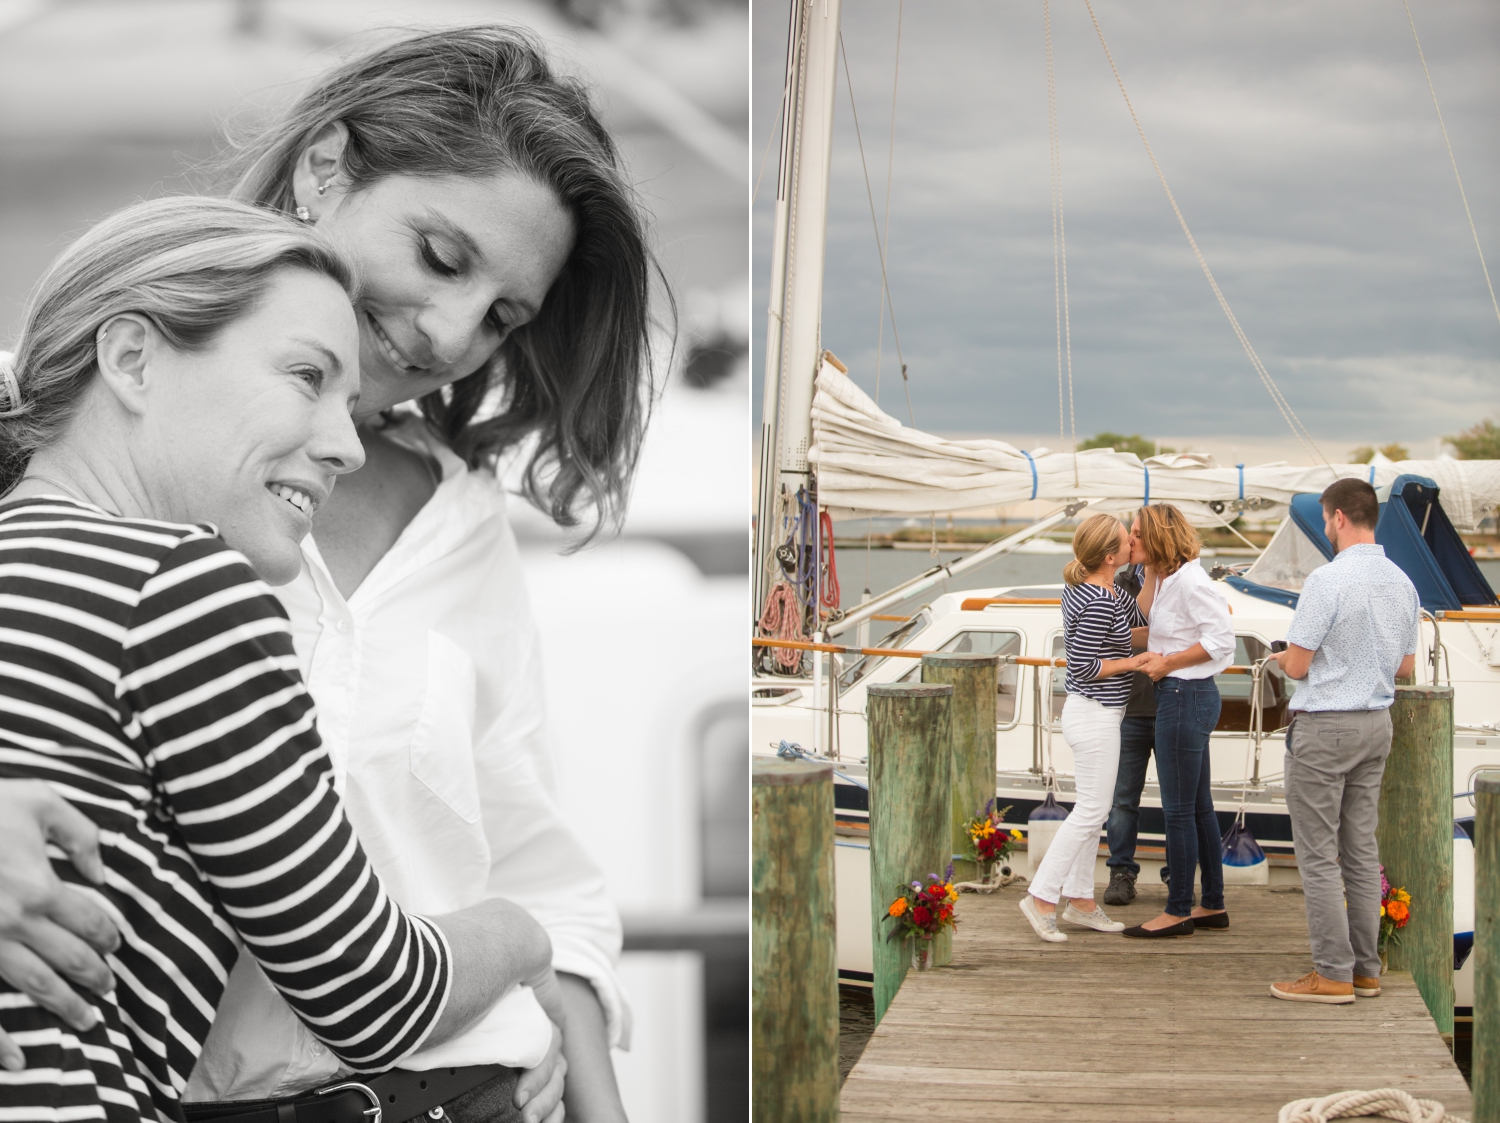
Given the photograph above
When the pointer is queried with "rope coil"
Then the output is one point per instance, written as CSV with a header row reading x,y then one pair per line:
x,y
1382,1103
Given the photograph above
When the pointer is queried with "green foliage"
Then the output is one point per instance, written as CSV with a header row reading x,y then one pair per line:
x,y
1481,442
1120,443
1393,451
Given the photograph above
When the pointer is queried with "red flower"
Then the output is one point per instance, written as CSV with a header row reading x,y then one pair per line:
x,y
921,916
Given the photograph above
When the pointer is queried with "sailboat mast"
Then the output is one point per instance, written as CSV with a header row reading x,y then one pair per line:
x,y
793,323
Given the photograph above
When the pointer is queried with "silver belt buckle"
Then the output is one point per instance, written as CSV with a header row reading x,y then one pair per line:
x,y
372,1112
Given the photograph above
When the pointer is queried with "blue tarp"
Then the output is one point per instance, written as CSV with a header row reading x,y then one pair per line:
x,y
1417,536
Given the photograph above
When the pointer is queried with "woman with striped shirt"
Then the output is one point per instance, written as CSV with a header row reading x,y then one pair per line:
x,y
1097,621
191,360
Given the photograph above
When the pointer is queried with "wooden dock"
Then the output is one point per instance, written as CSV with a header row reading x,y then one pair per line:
x,y
1108,1030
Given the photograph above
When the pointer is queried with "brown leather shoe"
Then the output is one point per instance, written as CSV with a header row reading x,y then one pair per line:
x,y
1366,987
1313,987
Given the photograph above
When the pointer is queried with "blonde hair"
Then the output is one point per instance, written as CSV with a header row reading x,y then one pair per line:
x,y
1167,537
191,265
1096,538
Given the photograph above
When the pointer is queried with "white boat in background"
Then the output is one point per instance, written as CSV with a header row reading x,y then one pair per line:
x,y
827,450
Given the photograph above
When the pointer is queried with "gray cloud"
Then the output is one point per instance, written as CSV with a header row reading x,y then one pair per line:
x,y
1301,143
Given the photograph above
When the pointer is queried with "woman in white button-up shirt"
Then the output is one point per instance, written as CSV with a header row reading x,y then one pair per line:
x,y
1190,640
506,274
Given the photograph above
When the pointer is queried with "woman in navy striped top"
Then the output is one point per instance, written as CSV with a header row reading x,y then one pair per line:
x,y
194,359
1098,619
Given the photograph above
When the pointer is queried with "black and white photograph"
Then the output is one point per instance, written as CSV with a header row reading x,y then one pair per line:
x,y
372,560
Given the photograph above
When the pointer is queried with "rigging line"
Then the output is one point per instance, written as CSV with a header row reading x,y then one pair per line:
x,y
1462,194
1059,252
775,132
890,159
1288,414
875,225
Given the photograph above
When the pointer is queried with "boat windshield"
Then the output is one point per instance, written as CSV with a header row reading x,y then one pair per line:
x,y
864,664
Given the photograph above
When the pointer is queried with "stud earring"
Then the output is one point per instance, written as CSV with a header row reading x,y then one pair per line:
x,y
323,187
303,214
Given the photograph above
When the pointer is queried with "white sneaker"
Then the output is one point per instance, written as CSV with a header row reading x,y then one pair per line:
x,y
1044,923
1097,920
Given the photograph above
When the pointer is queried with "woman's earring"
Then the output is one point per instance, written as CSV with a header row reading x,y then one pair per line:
x,y
323,187
303,214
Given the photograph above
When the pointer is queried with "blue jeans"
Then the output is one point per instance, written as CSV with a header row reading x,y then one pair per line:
x,y
1137,739
1186,712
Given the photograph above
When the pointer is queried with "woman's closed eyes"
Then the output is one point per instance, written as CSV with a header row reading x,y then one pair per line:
x,y
445,268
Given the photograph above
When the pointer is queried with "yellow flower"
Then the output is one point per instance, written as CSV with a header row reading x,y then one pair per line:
x,y
1016,835
952,895
898,906
1382,908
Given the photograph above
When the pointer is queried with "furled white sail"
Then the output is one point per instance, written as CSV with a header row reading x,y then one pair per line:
x,y
868,463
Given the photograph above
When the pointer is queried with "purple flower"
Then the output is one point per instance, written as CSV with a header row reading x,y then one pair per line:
x,y
1385,886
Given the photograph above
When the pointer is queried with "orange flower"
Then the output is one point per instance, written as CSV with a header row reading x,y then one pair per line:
x,y
1397,912
898,907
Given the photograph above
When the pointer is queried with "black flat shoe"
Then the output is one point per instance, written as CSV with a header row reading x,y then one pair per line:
x,y
1183,928
1213,920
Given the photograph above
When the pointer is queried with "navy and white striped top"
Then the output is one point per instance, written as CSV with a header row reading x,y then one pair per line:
x,y
149,677
1096,626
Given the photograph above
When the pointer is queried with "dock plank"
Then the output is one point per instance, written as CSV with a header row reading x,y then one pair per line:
x,y
1108,1030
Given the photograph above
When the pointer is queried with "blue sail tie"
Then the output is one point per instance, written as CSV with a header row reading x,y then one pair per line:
x,y
1033,471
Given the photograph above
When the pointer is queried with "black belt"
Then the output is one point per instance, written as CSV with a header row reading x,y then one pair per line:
x,y
392,1097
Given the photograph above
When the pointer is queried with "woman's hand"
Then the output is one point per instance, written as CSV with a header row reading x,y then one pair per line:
x,y
49,931
539,1092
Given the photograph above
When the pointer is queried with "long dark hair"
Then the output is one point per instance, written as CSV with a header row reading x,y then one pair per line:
x,y
472,101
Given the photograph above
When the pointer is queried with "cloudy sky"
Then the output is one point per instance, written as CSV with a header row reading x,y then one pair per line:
x,y
1300,141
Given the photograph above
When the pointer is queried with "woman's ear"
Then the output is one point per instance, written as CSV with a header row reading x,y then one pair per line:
x,y
314,175
123,349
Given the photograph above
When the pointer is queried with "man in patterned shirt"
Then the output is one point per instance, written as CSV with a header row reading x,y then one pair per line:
x,y
1355,631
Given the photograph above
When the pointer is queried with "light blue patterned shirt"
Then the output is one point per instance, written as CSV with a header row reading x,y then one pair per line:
x,y
1358,615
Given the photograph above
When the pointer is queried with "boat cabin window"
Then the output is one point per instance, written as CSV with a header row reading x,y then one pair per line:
x,y
901,637
979,642
1276,690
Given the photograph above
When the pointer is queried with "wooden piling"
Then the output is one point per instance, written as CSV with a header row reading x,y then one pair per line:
x,y
1485,1080
911,794
793,947
1415,836
975,679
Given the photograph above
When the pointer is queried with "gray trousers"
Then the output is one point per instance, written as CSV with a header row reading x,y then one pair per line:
x,y
1334,762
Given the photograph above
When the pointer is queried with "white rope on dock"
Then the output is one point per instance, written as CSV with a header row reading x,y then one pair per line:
x,y
1382,1103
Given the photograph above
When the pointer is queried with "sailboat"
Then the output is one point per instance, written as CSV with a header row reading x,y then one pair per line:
x,y
828,451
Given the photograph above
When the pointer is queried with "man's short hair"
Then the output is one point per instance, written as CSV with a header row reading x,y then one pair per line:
x,y
1356,499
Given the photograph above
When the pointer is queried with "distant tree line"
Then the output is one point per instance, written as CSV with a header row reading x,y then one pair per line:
x,y
1479,442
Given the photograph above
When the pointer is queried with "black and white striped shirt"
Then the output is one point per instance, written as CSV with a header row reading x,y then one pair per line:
x,y
149,677
1096,627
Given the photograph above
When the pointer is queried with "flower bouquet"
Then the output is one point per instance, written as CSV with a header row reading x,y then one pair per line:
x,y
923,913
989,841
1395,911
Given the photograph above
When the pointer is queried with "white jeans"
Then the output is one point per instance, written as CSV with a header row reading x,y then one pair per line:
x,y
1093,732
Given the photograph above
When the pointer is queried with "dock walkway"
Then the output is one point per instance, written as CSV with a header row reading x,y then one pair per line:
x,y
1108,1030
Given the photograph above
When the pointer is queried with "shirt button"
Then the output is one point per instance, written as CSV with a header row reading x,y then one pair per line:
x,y
317,1048
343,627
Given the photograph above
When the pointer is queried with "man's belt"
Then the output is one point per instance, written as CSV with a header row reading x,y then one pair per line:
x,y
392,1097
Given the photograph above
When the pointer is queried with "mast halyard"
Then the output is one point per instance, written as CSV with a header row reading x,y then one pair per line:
x,y
793,323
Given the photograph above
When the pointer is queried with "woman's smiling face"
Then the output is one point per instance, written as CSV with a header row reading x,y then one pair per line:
x,y
250,432
449,266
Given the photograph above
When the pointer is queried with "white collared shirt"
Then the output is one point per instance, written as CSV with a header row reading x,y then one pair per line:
x,y
429,693
1187,609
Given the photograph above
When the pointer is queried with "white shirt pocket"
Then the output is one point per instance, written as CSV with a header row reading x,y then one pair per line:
x,y
442,744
